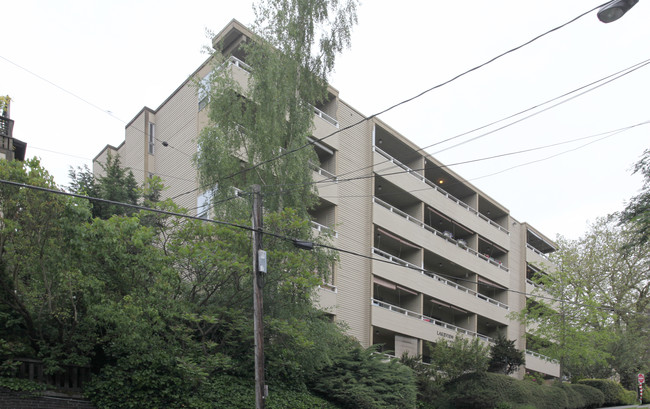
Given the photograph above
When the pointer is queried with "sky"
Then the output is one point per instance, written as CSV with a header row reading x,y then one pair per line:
x,y
79,70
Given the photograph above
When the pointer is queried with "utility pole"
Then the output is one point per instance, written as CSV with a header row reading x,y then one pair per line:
x,y
258,324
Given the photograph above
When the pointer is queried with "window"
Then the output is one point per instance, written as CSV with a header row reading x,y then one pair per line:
x,y
204,91
203,205
152,137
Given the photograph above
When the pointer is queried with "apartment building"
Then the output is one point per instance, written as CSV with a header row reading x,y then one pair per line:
x,y
10,147
444,259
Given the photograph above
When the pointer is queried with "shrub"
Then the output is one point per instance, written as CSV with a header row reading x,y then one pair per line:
x,y
613,391
487,391
629,398
593,398
361,379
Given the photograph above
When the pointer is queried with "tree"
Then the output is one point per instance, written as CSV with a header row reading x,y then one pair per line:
x,y
448,361
596,321
117,184
505,358
291,56
637,211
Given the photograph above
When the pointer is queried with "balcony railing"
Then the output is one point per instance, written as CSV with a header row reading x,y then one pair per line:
x,y
441,279
323,228
430,320
441,191
326,117
440,234
543,357
6,126
536,251
328,175
328,287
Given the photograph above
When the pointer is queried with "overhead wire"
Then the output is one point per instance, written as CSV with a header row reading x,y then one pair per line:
x,y
603,135
313,142
269,233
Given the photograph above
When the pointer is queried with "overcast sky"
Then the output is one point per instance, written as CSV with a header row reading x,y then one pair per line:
x,y
119,56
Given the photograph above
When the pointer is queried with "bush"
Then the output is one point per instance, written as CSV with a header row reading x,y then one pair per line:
x,y
488,391
361,379
582,396
613,391
630,397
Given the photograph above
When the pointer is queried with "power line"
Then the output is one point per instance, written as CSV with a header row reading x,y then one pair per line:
x,y
606,134
288,152
282,237
613,77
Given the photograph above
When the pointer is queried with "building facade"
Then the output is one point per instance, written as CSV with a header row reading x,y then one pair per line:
x,y
443,258
10,147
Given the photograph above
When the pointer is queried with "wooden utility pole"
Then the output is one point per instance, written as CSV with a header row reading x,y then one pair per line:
x,y
258,324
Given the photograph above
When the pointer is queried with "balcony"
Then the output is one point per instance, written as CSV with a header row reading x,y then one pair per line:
x,y
445,236
326,298
324,229
6,129
543,364
424,180
420,325
439,279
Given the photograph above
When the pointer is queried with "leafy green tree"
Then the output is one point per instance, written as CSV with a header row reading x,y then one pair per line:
x,y
505,358
273,113
117,184
41,285
637,211
448,361
598,323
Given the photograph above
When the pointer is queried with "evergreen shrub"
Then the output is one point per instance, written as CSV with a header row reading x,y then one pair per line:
x,y
613,391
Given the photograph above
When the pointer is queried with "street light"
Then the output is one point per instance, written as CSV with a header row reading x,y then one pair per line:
x,y
615,10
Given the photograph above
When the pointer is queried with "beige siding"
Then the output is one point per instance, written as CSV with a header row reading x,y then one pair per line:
x,y
354,216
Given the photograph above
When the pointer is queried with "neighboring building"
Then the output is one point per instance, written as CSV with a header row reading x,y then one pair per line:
x,y
10,148
470,260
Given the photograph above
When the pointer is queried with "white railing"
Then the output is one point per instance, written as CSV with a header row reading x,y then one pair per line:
x,y
326,117
430,320
440,234
326,174
328,287
441,279
232,60
543,357
536,251
441,191
324,229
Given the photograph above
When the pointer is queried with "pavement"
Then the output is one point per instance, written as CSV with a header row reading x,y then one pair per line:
x,y
646,405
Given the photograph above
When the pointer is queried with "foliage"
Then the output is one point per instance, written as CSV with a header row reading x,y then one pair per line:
x,y
612,390
41,305
637,211
360,378
489,390
603,285
5,100
505,358
593,397
116,184
274,112
24,385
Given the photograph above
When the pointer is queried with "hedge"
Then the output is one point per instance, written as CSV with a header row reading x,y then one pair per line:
x,y
589,397
490,390
613,391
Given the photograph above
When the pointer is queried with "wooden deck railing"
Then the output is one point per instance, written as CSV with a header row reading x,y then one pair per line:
x,y
71,378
